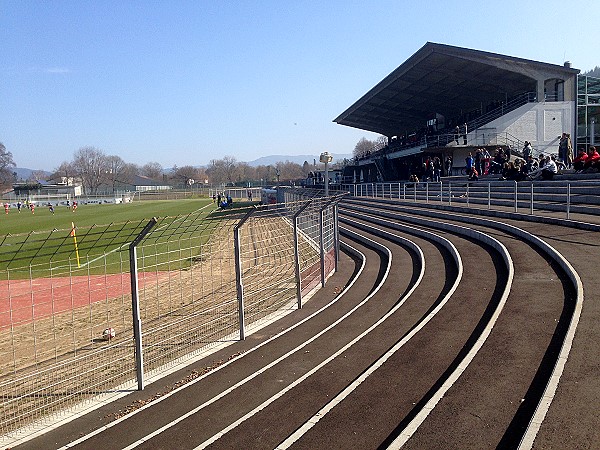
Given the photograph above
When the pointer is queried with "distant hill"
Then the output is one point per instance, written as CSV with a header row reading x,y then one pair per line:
x,y
298,159
24,173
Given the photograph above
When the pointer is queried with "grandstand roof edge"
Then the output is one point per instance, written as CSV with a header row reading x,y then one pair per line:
x,y
451,52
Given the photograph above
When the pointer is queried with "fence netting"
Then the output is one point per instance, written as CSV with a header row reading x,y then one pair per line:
x,y
66,330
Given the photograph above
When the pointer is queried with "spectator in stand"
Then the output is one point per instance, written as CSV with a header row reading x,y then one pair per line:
x,y
497,164
437,169
509,172
469,162
524,170
530,165
478,157
579,162
448,162
550,169
428,170
565,149
547,170
520,173
592,163
527,150
456,134
541,161
473,174
503,171
569,161
485,161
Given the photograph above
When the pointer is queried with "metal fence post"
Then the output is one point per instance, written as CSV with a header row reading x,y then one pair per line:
x,y
489,195
336,238
322,239
516,198
427,192
449,193
441,192
467,194
322,246
135,303
238,272
531,211
297,254
568,200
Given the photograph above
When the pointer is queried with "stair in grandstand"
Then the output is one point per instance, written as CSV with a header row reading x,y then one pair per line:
x,y
386,169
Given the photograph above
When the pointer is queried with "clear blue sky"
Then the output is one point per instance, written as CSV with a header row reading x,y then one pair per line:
x,y
184,82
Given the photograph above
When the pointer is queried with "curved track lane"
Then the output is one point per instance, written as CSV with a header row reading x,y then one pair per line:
x,y
493,402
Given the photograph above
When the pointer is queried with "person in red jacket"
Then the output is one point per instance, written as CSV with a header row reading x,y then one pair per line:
x,y
592,163
579,162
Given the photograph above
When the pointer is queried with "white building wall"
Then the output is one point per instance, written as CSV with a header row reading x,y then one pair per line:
x,y
539,123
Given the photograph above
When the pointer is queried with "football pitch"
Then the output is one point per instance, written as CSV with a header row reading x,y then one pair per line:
x,y
93,235
94,214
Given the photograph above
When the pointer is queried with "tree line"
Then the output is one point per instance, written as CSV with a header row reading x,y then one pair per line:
x,y
97,171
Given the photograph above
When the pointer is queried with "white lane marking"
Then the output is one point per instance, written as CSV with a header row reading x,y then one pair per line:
x,y
377,364
550,390
221,367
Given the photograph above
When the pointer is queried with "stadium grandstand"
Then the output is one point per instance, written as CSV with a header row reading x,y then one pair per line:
x,y
448,101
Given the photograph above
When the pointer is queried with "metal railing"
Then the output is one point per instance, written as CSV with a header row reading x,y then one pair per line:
x,y
90,310
534,198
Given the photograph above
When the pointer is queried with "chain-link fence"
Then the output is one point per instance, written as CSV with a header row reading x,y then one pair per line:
x,y
89,309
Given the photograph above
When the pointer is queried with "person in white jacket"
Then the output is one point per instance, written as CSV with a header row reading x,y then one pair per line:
x,y
547,171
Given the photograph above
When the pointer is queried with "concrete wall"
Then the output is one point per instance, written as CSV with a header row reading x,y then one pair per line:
x,y
539,123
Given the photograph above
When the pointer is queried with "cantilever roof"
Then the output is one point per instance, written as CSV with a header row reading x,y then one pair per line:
x,y
447,80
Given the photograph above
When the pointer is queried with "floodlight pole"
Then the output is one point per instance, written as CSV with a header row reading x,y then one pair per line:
x,y
326,158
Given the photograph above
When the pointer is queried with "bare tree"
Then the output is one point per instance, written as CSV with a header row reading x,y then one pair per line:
x,y
289,170
115,170
152,170
91,165
37,175
222,170
184,174
245,172
65,173
7,175
129,171
363,148
266,174
381,142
